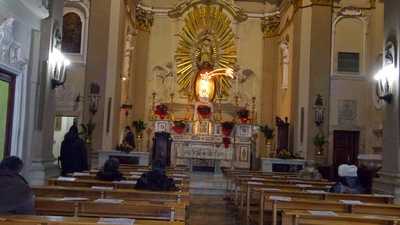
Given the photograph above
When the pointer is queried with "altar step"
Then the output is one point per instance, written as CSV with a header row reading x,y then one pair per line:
x,y
207,183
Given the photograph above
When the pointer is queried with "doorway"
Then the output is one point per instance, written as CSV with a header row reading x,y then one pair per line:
x,y
7,86
345,147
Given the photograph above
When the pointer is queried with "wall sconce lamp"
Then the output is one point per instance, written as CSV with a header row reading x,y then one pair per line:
x,y
386,76
58,64
319,110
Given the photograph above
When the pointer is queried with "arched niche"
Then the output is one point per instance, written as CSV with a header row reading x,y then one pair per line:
x,y
72,33
349,39
75,30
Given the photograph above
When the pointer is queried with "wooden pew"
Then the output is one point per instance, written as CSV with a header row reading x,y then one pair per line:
x,y
134,176
298,217
124,209
61,220
91,183
126,194
277,204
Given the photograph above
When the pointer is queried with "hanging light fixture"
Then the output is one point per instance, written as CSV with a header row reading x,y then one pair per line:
x,y
57,62
387,75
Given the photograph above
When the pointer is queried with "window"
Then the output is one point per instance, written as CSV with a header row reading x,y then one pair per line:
x,y
348,62
72,33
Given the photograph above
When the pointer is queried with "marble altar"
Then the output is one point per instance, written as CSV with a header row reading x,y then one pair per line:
x,y
202,145
293,165
141,157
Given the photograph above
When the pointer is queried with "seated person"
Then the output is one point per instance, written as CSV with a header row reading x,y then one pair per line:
x,y
110,171
348,180
156,179
310,172
16,197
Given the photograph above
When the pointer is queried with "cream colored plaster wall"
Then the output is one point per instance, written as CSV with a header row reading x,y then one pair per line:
x,y
360,88
250,56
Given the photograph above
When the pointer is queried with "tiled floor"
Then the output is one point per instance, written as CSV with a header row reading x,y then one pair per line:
x,y
210,210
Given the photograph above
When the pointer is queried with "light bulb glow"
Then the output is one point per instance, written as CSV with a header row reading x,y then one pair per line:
x,y
387,73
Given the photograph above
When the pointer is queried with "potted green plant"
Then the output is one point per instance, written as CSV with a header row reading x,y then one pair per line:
x,y
87,131
139,126
319,141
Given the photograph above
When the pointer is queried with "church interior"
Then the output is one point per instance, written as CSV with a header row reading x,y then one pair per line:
x,y
178,112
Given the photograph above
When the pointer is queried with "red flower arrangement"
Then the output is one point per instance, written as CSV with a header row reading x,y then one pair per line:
x,y
227,128
204,111
243,115
226,141
161,110
179,127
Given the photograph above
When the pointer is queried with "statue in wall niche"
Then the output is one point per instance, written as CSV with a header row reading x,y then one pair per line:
x,y
284,46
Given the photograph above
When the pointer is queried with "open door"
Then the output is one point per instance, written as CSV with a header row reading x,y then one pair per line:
x,y
7,84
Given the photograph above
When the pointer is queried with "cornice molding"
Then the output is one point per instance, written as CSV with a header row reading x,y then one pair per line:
x,y
229,5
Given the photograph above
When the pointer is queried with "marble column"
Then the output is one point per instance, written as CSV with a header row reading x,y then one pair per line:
x,y
43,162
103,68
140,73
389,181
312,61
270,27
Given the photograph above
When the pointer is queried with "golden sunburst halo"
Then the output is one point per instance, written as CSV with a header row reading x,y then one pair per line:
x,y
206,40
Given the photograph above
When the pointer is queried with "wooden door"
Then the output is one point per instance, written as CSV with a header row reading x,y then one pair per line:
x,y
6,112
345,147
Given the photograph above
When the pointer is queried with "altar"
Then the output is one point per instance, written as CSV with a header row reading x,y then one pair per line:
x,y
207,151
137,158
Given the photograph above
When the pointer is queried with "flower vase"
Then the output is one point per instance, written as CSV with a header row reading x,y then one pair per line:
x,y
178,130
226,132
268,145
243,119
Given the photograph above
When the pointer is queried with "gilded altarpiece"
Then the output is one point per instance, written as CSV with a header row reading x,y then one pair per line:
x,y
207,75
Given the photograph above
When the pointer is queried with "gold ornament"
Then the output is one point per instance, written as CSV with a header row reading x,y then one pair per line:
x,y
206,42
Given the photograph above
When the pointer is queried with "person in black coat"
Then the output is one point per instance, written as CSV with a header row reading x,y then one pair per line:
x,y
73,155
16,197
110,171
156,179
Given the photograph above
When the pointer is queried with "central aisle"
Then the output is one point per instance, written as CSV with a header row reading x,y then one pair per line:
x,y
209,210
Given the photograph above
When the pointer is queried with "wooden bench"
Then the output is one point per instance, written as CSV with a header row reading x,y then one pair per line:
x,y
299,217
125,209
126,194
275,204
61,220
90,183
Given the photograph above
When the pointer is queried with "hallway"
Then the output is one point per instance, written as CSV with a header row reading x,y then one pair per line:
x,y
209,210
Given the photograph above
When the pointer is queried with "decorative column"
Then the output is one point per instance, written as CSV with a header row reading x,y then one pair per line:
x,y
42,158
139,71
270,27
311,68
389,181
103,70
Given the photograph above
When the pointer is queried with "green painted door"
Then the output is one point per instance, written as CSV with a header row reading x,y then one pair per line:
x,y
4,116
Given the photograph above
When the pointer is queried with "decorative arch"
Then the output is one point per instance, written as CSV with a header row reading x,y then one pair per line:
x,y
72,33
350,13
79,11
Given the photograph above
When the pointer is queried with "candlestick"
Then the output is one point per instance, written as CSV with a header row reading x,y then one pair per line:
x,y
253,110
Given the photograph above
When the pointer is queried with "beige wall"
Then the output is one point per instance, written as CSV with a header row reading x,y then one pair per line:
x,y
361,34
